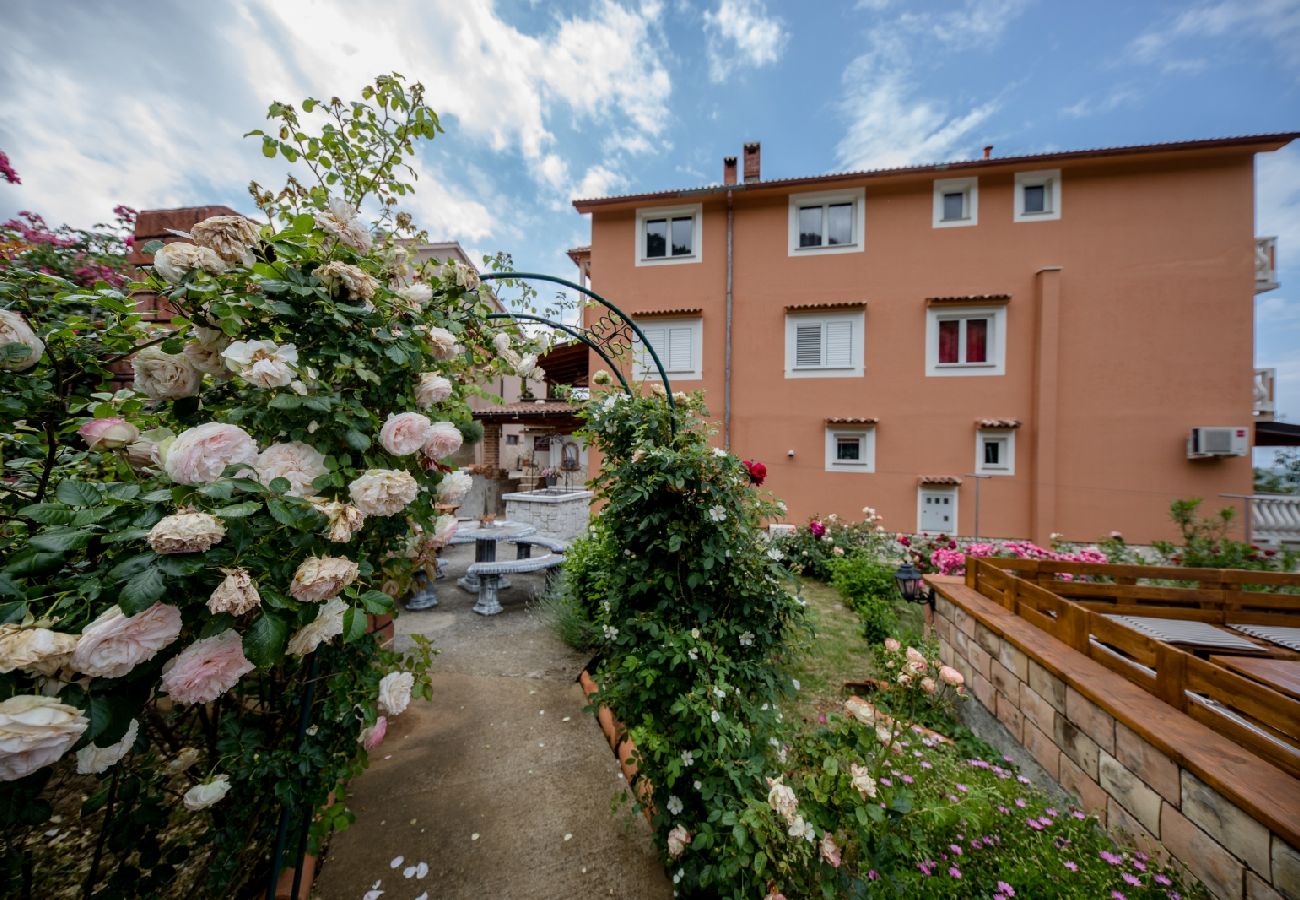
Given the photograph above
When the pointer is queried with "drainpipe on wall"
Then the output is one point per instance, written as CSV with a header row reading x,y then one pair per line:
x,y
726,384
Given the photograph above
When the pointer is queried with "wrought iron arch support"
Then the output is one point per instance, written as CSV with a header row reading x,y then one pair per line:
x,y
610,335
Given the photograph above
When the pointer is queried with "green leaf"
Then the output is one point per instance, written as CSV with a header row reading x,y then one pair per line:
x,y
10,588
265,640
142,591
282,513
61,540
239,510
356,440
151,247
110,715
377,602
180,566
354,625
77,493
131,566
48,513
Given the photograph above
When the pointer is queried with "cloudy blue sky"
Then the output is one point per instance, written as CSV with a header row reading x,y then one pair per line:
x,y
144,103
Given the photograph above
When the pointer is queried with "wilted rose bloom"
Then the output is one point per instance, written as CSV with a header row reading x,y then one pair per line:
x,y
383,492
433,388
183,760
236,594
442,343
345,519
892,645
31,648
454,486
340,220
444,529
108,434
114,644
830,852
164,376
927,683
373,736
204,351
904,679
774,894
201,796
298,463
322,577
916,660
414,296
327,624
230,237
263,364
395,692
782,799
199,455
206,669
359,285
459,274
862,781
443,440
92,759
175,260
527,365
951,676
186,532
602,378
34,732
15,330
405,433
678,840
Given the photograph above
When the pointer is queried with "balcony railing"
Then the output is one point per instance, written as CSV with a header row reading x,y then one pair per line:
x,y
1265,264
1275,519
1265,396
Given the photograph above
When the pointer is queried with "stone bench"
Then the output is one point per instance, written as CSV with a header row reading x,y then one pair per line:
x,y
525,545
489,578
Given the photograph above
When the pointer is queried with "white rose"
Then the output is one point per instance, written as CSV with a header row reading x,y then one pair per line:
x,y
263,364
165,376
34,732
442,343
114,644
230,237
31,648
444,529
444,439
199,455
298,463
15,330
236,594
322,577
678,840
527,366
405,433
190,532
433,388
340,220
459,274
383,492
204,351
454,486
201,796
345,520
360,286
327,624
92,759
175,260
395,693
415,296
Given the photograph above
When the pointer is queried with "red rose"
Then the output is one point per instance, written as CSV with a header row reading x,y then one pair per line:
x,y
757,472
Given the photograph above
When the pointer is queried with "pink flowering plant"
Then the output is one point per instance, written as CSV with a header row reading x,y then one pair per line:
x,y
813,549
179,559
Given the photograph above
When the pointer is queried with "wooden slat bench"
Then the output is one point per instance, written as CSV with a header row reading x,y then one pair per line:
x,y
489,578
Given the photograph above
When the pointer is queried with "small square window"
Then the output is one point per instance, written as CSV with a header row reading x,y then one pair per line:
x,y
956,202
1038,195
965,340
954,206
1035,198
668,236
995,452
850,450
826,222
512,440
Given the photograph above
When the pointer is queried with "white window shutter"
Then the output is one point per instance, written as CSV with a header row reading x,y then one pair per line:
x,y
839,345
808,345
656,337
679,351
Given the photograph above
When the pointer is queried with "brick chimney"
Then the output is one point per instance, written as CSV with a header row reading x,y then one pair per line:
x,y
988,151
728,170
752,157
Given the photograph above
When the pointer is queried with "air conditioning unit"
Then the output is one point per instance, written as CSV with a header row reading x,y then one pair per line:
x,y
1207,443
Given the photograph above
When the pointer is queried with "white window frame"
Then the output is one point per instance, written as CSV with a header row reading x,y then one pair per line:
x,y
856,196
857,319
969,189
867,437
643,367
997,341
950,489
643,215
1048,178
1004,436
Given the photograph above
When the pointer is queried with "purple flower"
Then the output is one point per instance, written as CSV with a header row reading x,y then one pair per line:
x,y
955,848
1163,879
926,765
1051,812
1132,879
977,844
1022,779
886,782
925,868
1044,821
1174,895
1033,823
1004,810
1021,803
1116,895
1071,865
962,788
1079,814
1139,865
1006,889
1111,857
954,871
907,779
952,798
873,875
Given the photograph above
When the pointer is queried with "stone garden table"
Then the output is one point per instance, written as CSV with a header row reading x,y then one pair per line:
x,y
486,538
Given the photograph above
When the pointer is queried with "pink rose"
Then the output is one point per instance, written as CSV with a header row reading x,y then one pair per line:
x,y
892,645
928,684
114,644
373,736
108,434
206,669
443,440
830,852
951,676
405,433
199,455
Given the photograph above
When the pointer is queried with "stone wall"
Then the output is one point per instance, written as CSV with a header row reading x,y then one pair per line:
x,y
1101,756
560,516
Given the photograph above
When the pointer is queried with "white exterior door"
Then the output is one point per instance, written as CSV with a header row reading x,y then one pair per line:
x,y
936,510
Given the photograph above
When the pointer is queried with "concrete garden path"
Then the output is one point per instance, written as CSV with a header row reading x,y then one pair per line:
x,y
502,785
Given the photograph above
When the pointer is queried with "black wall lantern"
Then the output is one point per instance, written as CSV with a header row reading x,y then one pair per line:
x,y
911,586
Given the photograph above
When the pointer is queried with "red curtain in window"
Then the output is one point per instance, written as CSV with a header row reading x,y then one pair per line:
x,y
977,334
948,340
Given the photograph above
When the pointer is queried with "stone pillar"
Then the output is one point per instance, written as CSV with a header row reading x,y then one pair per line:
x,y
491,447
1046,405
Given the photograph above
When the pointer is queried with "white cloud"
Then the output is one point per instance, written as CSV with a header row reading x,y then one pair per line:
x,y
1277,202
599,181
1274,21
977,23
1093,106
740,34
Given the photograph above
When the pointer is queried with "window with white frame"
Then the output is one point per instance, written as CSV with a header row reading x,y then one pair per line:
x,y
827,222
850,449
956,202
824,345
669,235
678,344
995,452
1038,195
965,341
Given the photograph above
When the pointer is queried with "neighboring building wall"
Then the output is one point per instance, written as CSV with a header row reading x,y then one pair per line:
x,y
1130,321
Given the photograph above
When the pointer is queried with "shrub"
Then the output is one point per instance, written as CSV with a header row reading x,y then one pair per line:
x,y
1206,543
812,550
869,589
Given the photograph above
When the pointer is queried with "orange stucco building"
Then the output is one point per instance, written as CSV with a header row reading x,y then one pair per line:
x,y
1058,323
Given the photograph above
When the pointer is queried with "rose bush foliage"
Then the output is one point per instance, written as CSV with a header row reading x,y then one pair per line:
x,y
183,558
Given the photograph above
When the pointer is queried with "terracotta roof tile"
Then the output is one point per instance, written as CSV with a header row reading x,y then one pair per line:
x,y
827,304
998,423
851,420
528,408
939,479
672,311
968,298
